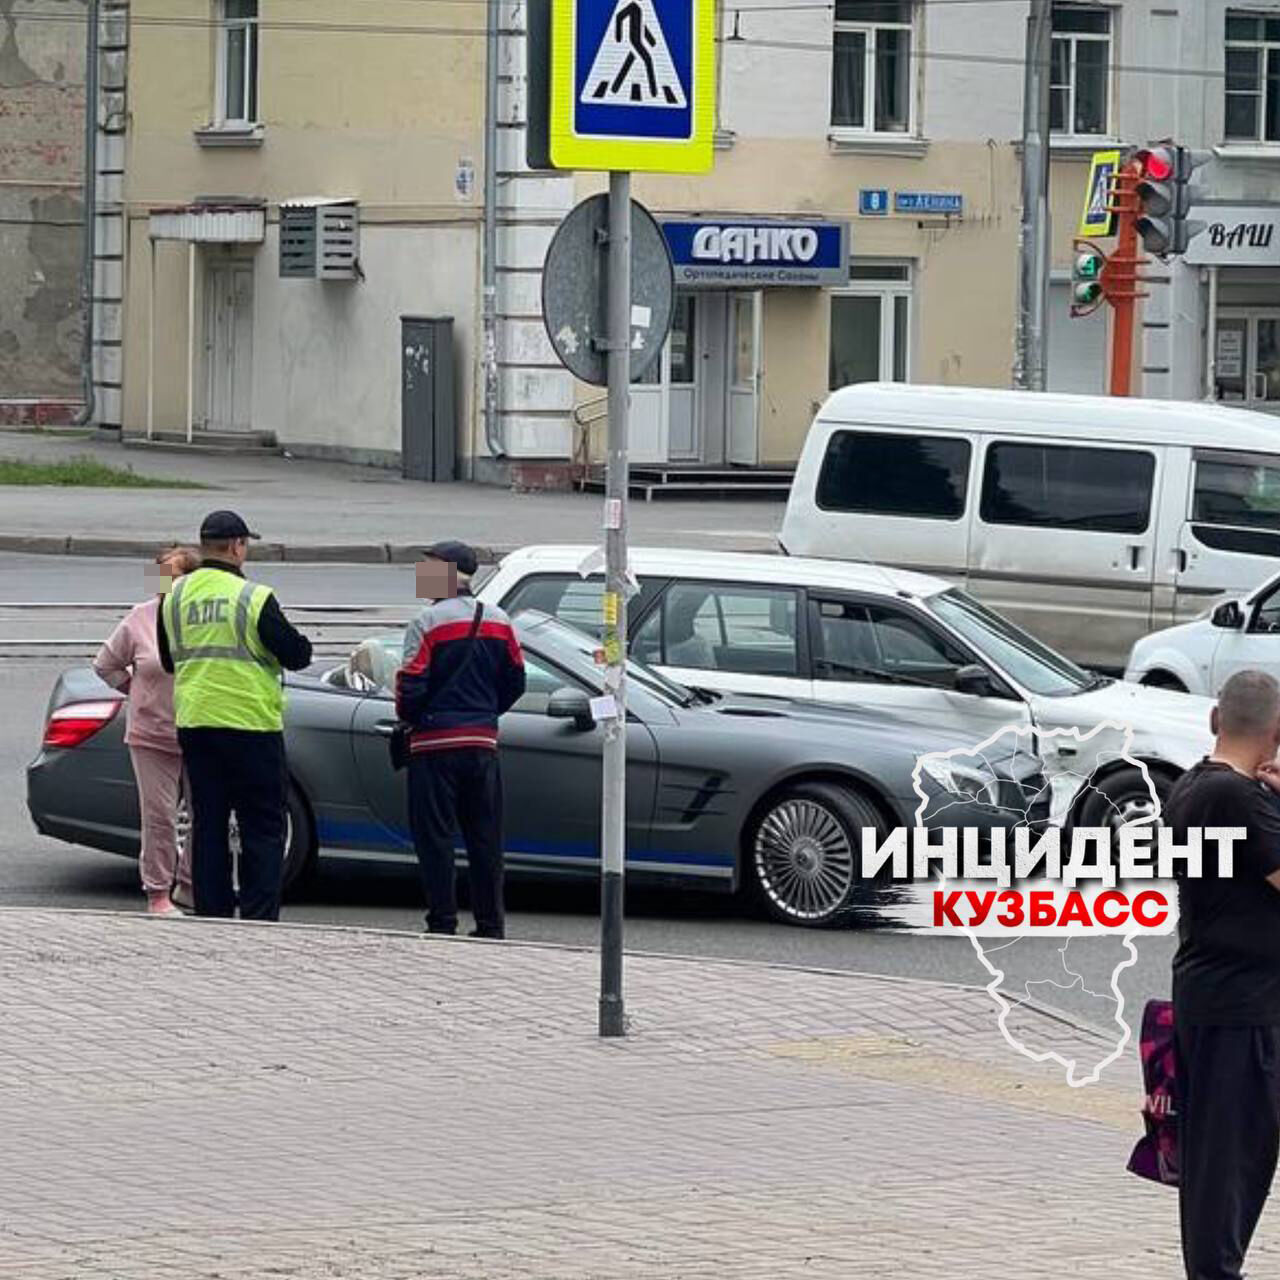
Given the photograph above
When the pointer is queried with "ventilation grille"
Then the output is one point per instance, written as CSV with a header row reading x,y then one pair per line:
x,y
320,240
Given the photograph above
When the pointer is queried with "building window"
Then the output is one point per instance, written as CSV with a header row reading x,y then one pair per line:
x,y
1253,78
238,62
871,77
1080,70
871,326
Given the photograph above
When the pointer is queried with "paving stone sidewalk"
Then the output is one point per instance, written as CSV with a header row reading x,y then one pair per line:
x,y
312,511
195,1099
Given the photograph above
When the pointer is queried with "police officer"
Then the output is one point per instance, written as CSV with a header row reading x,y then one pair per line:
x,y
462,669
226,641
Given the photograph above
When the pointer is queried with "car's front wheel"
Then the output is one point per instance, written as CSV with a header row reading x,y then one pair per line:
x,y
803,852
299,839
1122,797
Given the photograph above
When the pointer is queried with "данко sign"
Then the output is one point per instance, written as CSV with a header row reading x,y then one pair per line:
x,y
753,251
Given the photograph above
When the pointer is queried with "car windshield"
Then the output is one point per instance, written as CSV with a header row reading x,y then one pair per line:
x,y
1022,657
572,648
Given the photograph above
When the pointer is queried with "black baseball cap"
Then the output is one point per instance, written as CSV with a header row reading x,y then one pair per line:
x,y
218,525
455,553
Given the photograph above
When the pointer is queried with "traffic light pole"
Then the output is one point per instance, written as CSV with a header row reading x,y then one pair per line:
x,y
614,806
1120,277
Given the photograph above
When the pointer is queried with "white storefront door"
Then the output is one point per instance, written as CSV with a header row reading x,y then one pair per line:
x,y
744,378
1247,357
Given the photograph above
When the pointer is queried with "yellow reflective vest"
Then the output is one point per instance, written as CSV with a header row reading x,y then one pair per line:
x,y
224,677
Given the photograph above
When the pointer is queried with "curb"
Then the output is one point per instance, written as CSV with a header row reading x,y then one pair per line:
x,y
271,552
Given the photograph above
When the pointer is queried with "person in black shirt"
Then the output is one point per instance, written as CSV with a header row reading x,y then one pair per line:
x,y
1226,984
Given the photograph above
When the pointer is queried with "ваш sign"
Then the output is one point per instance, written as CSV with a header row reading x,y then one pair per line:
x,y
1235,236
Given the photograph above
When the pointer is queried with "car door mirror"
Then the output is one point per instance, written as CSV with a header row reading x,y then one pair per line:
x,y
571,704
975,680
1228,616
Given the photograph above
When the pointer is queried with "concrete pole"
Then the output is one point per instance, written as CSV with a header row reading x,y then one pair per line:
x,y
489,253
151,336
1211,339
1030,363
191,338
614,795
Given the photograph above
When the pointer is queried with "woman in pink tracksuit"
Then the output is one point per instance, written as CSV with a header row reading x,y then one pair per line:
x,y
130,662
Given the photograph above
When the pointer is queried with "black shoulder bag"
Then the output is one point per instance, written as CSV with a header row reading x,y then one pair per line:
x,y
398,742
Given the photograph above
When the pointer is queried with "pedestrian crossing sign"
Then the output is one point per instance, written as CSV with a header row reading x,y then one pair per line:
x,y
1097,218
632,85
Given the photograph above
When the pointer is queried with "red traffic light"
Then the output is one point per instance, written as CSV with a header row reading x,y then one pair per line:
x,y
1157,163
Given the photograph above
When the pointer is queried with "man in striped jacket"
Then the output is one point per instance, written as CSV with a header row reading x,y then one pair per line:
x,y
462,669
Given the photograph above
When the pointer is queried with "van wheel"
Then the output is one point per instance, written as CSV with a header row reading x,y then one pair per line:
x,y
803,852
1163,680
1121,798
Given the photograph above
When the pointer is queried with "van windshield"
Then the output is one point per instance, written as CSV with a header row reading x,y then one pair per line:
x,y
1008,648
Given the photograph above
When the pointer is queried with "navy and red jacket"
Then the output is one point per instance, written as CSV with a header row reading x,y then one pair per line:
x,y
435,646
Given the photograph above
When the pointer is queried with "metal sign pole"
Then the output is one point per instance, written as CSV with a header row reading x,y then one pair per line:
x,y
614,799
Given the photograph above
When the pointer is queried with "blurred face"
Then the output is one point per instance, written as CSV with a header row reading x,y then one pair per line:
x,y
436,580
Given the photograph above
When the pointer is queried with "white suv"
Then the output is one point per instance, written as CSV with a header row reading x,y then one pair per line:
x,y
1241,631
859,634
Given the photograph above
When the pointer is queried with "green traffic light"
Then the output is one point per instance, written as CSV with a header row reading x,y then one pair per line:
x,y
1088,266
1086,292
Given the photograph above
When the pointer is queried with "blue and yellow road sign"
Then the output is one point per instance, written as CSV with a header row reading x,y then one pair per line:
x,y
633,85
1097,218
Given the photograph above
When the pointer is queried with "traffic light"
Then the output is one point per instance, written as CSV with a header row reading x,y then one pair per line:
x,y
1156,198
1165,196
1087,293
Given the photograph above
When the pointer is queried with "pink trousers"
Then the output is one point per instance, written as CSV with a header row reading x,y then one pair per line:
x,y
164,862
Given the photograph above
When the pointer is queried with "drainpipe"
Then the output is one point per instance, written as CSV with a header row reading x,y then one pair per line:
x,y
492,428
90,212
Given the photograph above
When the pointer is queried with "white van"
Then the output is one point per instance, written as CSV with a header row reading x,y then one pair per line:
x,y
1090,520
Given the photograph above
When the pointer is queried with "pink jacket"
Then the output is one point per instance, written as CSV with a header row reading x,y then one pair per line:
x,y
130,662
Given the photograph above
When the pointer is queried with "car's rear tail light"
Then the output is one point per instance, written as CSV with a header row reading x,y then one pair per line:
x,y
77,722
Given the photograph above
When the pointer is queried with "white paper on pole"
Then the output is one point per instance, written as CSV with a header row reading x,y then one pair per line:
x,y
592,562
604,708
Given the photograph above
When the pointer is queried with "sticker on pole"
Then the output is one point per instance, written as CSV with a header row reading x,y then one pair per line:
x,y
632,84
1097,218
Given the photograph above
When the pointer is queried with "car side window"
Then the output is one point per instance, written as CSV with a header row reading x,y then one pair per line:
x,y
706,626
575,600
540,683
879,644
1266,618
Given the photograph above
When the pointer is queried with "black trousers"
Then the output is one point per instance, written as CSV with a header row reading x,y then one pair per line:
x,y
452,791
1228,1138
241,771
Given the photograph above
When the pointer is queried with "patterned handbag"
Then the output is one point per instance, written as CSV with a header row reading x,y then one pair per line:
x,y
1156,1154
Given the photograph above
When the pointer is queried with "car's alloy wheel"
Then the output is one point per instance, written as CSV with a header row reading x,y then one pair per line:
x,y
297,850
804,852
1122,798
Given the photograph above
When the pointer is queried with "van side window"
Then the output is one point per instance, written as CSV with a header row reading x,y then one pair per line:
x,y
1244,494
1067,487
895,475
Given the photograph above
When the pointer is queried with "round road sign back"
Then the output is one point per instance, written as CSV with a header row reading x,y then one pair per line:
x,y
573,290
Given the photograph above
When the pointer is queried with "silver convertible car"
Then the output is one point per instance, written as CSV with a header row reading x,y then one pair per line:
x,y
724,791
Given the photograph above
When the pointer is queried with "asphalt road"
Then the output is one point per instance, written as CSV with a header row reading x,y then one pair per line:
x,y
35,870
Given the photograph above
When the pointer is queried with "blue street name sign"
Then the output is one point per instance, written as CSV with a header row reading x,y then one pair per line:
x,y
928,202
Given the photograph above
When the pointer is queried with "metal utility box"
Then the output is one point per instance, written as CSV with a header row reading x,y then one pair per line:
x,y
319,239
428,412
